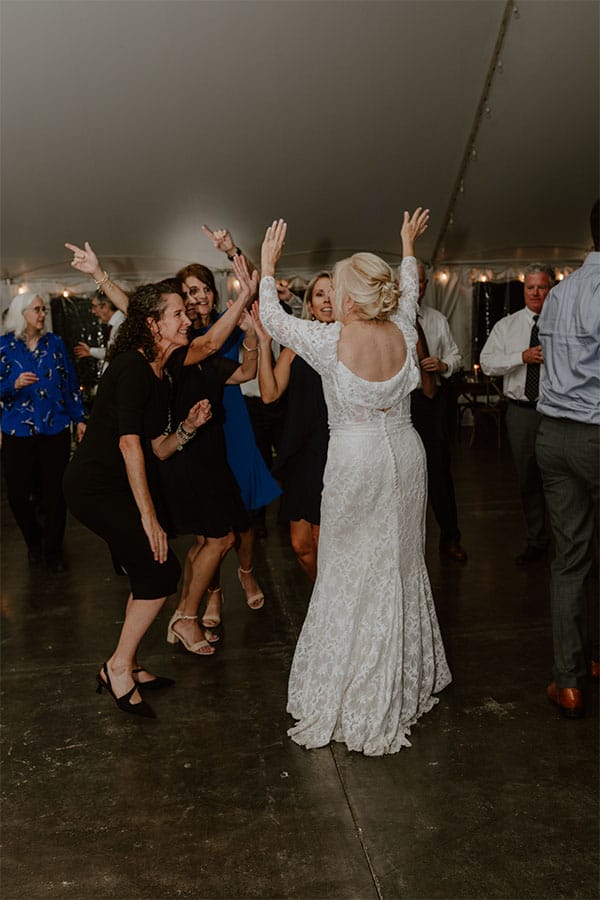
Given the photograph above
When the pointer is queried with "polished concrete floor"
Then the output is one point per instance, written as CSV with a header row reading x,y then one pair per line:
x,y
497,797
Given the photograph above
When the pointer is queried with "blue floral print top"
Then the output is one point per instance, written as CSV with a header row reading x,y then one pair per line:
x,y
52,403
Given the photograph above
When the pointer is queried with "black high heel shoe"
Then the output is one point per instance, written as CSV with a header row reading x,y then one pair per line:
x,y
124,702
159,681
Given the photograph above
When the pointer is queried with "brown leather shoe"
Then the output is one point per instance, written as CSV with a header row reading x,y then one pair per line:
x,y
595,669
455,552
568,700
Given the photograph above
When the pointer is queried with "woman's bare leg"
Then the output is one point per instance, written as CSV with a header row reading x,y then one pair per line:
x,y
212,613
245,552
202,561
304,538
139,616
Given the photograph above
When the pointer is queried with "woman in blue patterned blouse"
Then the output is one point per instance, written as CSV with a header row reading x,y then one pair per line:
x,y
40,398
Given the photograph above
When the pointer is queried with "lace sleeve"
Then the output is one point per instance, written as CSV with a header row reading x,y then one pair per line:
x,y
315,342
405,315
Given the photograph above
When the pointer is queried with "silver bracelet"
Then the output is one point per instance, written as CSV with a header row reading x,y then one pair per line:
x,y
183,436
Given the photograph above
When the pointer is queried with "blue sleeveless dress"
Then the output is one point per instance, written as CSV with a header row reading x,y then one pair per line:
x,y
257,485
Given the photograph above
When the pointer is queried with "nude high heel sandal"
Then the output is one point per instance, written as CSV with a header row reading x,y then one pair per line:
x,y
255,601
200,648
213,621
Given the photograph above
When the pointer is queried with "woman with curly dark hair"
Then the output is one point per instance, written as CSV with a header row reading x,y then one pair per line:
x,y
109,484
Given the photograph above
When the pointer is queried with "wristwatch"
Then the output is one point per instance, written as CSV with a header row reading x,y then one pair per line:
x,y
237,252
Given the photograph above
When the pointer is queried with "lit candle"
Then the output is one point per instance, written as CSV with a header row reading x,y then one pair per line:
x,y
476,372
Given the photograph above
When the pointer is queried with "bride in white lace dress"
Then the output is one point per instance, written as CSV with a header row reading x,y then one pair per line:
x,y
370,655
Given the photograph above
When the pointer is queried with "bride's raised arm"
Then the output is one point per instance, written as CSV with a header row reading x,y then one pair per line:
x,y
316,342
408,275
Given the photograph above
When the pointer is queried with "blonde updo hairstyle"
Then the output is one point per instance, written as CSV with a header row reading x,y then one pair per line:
x,y
369,282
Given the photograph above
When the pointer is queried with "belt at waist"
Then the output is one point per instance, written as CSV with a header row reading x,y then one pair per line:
x,y
524,404
371,426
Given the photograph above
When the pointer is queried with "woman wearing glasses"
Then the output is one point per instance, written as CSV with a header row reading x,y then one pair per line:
x,y
40,398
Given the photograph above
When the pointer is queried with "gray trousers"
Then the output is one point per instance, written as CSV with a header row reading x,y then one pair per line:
x,y
521,426
568,453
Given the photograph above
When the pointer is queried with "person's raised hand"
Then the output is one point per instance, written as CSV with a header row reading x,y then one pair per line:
x,y
84,259
272,246
248,282
413,226
221,239
263,336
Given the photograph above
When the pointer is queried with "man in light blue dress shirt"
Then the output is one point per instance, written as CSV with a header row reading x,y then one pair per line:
x,y
568,453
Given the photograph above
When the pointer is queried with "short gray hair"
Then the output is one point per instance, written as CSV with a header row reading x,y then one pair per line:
x,y
543,268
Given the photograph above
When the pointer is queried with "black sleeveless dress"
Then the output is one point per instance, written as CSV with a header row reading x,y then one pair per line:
x,y
303,451
200,491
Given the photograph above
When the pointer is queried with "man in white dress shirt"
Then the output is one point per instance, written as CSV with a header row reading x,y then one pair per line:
x,y
430,418
513,350
109,316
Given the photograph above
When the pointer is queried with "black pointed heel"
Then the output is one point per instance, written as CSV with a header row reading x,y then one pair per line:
x,y
136,709
159,681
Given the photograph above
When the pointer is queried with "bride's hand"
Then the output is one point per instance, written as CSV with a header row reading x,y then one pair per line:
x,y
272,246
412,228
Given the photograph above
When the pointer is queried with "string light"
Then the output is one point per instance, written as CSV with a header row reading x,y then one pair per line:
x,y
65,294
484,110
560,276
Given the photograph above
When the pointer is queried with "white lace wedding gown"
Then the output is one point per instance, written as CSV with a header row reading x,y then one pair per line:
x,y
370,654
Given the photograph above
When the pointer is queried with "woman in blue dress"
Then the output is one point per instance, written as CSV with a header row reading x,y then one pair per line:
x,y
257,485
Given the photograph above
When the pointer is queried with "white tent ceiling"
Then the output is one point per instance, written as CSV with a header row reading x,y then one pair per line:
x,y
131,123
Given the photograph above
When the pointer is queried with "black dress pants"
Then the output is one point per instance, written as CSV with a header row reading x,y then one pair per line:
x,y
32,464
431,422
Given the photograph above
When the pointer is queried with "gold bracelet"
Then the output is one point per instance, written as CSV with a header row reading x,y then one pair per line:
x,y
249,349
104,280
